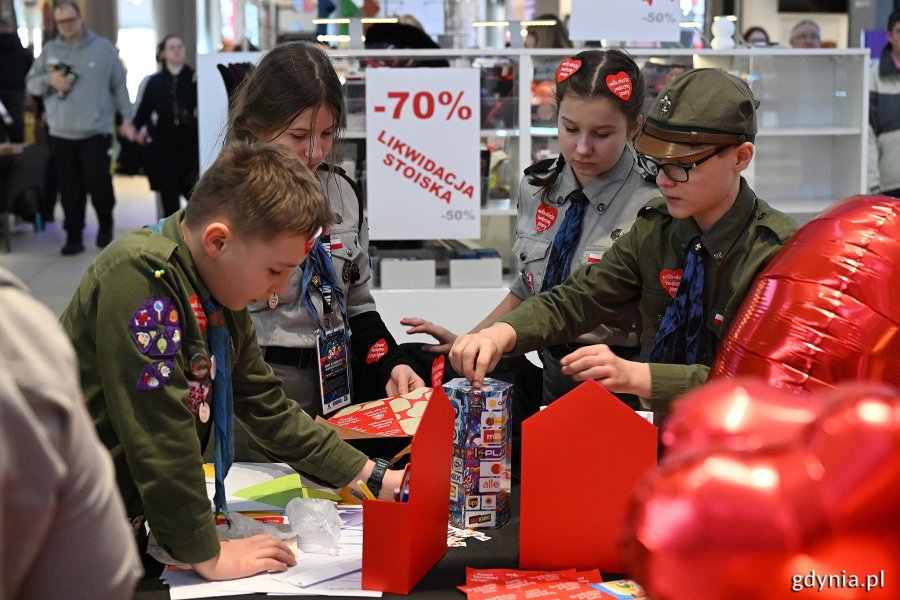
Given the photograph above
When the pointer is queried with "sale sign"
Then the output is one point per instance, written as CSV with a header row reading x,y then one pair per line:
x,y
422,149
626,20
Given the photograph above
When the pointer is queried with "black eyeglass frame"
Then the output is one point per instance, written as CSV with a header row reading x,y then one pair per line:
x,y
653,167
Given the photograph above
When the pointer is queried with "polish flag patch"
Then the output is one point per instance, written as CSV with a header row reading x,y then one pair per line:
x,y
718,319
594,257
670,280
336,243
377,351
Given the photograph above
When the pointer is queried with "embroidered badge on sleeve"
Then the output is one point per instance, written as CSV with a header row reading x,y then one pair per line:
x,y
156,330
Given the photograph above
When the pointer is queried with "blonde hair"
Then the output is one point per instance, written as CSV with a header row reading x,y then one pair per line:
x,y
262,189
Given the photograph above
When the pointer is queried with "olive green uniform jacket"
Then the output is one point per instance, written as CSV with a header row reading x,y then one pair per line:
x,y
143,393
639,269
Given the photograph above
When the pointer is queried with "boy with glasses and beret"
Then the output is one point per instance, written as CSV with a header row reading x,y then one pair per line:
x,y
687,262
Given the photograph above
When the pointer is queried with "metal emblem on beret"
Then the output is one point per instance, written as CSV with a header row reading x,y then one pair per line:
x,y
665,104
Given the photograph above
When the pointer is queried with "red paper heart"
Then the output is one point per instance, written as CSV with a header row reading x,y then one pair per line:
x,y
545,217
670,280
377,350
619,84
567,68
437,371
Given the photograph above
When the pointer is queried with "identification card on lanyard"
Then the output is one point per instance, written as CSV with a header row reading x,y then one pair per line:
x,y
334,371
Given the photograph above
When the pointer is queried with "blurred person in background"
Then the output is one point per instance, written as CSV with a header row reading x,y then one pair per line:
x,y
884,115
82,82
757,36
806,34
548,36
167,120
14,64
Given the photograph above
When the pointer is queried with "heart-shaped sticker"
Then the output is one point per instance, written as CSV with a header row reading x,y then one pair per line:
x,y
545,217
619,84
567,68
670,280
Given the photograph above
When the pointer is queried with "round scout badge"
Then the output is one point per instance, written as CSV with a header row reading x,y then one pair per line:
x,y
200,365
619,84
203,412
273,301
567,68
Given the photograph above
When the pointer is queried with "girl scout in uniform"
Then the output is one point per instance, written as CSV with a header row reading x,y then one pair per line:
x,y
686,264
574,207
293,98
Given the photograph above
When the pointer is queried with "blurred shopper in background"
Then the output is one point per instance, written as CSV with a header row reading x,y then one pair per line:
x,y
14,64
806,34
82,81
884,115
167,120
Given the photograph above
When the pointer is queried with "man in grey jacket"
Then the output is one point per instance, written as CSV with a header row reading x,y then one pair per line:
x,y
82,81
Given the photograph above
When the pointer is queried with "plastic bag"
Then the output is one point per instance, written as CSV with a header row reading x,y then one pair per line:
x,y
316,523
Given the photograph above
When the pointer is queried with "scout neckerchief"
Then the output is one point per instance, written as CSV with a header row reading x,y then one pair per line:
x,y
565,241
683,319
223,401
333,345
319,273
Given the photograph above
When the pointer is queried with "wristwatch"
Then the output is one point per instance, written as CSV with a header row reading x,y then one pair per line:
x,y
377,477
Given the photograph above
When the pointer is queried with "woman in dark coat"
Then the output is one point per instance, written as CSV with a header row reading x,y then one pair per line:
x,y
167,120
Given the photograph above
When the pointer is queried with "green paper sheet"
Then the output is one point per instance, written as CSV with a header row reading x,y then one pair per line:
x,y
280,491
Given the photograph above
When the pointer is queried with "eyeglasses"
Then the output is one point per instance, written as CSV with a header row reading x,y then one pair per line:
x,y
674,171
69,21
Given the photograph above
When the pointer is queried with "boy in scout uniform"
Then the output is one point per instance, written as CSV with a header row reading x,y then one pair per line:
x,y
168,354
687,262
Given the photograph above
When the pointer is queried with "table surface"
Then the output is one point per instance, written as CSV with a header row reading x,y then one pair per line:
x,y
501,551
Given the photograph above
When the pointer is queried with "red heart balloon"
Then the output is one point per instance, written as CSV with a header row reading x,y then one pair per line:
x,y
809,508
743,414
825,309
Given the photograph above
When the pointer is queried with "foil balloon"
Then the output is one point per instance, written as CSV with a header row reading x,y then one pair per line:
x,y
744,416
826,309
807,511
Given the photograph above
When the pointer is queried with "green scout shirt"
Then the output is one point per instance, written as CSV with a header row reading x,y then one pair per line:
x,y
144,398
639,269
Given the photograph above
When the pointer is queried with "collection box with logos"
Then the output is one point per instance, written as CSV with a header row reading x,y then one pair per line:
x,y
480,476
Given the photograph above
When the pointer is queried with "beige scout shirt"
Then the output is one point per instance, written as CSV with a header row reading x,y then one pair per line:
x,y
63,529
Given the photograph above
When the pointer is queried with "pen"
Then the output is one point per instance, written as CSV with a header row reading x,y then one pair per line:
x,y
397,494
404,484
358,495
365,489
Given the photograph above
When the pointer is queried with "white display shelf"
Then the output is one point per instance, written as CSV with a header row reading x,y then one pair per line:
x,y
810,151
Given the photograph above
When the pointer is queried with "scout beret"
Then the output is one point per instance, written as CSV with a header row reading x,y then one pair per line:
x,y
700,110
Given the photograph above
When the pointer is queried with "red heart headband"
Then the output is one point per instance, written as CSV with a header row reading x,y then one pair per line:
x,y
567,68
